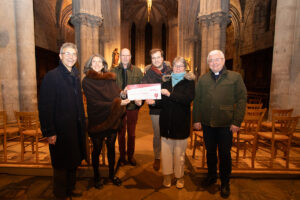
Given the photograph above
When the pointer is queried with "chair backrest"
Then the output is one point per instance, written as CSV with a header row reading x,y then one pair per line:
x,y
253,119
254,100
27,120
3,120
282,112
285,125
254,106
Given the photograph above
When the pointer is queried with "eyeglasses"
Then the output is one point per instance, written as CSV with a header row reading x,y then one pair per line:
x,y
216,59
70,54
178,66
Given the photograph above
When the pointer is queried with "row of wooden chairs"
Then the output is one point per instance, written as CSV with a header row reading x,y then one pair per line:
x,y
28,128
251,135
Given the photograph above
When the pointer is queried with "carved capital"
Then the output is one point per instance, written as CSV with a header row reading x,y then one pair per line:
x,y
86,19
221,18
204,20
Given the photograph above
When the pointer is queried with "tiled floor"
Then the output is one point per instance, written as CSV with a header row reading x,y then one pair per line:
x,y
142,182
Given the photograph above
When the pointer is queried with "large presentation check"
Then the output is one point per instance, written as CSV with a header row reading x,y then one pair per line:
x,y
144,91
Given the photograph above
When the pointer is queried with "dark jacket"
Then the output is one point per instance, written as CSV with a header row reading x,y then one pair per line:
x,y
103,103
175,114
61,113
134,76
221,102
152,77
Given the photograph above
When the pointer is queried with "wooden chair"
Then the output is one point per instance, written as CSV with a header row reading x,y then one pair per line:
x,y
280,137
253,106
267,125
256,100
198,142
29,127
247,135
6,131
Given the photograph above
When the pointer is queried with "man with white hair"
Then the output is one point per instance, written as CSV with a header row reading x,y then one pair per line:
x,y
219,108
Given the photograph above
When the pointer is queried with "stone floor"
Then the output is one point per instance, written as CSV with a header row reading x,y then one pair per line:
x,y
142,182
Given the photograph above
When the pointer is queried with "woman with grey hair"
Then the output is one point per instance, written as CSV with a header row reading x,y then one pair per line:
x,y
105,109
178,91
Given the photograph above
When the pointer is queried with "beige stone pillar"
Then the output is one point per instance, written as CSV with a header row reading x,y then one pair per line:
x,y
26,55
285,80
8,59
87,19
172,34
213,19
220,21
204,23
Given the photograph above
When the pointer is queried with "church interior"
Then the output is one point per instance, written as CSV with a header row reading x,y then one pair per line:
x,y
260,40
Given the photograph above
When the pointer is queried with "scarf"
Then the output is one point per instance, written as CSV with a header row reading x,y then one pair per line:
x,y
177,77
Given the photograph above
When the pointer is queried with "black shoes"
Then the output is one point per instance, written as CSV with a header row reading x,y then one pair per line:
x,y
74,194
225,190
122,162
116,181
208,181
99,184
132,161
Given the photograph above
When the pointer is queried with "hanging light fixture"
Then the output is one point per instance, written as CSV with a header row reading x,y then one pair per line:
x,y
149,5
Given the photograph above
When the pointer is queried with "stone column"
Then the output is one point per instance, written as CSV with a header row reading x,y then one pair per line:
x,y
204,23
87,19
8,60
220,21
213,19
172,34
285,81
26,55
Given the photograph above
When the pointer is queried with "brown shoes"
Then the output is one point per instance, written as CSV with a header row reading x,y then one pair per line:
x,y
156,164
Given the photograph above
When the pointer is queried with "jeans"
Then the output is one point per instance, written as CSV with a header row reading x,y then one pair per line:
x,y
156,136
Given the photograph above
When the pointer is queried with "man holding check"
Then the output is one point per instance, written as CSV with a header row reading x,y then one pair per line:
x,y
154,74
128,74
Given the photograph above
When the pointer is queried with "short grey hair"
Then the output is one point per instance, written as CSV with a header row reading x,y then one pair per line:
x,y
213,52
88,64
179,59
68,45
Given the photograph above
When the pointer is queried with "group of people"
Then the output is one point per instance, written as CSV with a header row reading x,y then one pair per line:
x,y
218,108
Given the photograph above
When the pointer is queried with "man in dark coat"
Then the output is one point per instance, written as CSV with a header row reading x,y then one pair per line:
x,y
154,73
219,108
62,121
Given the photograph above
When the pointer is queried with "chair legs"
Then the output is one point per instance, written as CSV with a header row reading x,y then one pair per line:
x,y
197,143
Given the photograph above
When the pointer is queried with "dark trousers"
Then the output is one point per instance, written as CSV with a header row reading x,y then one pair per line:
x,y
97,147
129,123
218,138
63,182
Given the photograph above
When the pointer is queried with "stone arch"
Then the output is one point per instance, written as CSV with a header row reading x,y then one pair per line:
x,y
65,28
232,51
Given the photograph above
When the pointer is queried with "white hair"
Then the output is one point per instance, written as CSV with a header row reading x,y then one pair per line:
x,y
213,52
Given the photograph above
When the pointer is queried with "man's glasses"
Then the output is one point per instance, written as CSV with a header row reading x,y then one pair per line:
x,y
70,54
216,59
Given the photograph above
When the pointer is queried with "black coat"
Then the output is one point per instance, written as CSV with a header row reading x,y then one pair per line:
x,y
175,114
61,113
152,77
